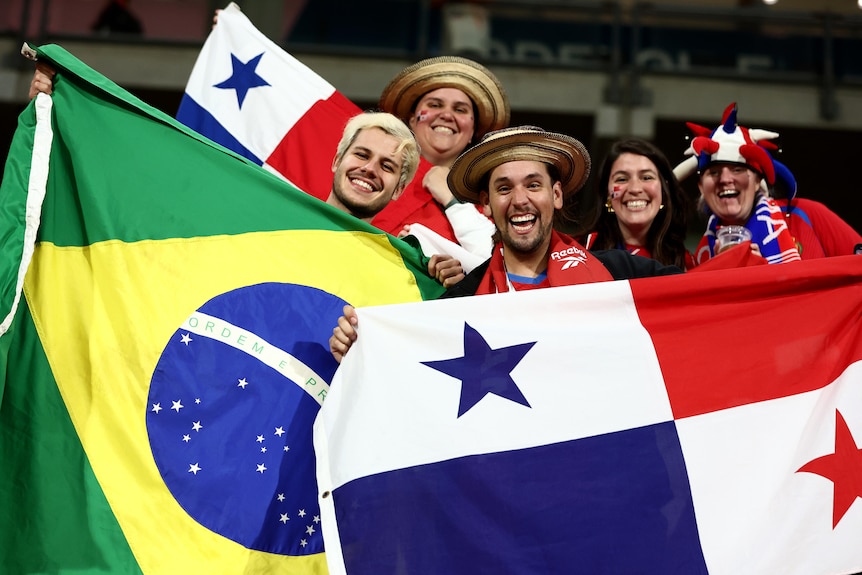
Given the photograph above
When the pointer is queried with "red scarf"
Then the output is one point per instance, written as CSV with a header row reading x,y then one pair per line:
x,y
415,206
569,264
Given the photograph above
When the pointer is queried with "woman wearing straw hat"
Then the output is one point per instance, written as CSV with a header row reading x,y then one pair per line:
x,y
449,102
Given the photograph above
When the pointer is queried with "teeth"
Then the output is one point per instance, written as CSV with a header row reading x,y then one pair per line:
x,y
362,184
444,130
727,193
636,204
526,218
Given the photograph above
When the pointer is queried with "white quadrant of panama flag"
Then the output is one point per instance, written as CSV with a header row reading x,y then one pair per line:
x,y
252,97
570,459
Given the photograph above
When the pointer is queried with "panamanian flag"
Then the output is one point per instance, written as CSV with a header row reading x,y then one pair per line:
x,y
255,99
703,423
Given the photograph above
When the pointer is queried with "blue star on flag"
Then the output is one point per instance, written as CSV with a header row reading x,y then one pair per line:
x,y
483,370
244,77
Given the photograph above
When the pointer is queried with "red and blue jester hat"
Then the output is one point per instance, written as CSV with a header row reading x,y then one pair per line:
x,y
730,142
736,144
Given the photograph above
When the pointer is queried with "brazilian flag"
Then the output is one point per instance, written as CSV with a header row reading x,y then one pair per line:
x,y
166,308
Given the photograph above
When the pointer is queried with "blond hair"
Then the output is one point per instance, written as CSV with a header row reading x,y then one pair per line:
x,y
390,125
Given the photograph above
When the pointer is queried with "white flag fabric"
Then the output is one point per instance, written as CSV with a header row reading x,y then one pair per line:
x,y
703,423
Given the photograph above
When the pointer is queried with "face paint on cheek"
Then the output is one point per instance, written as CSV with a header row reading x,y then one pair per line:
x,y
617,192
422,116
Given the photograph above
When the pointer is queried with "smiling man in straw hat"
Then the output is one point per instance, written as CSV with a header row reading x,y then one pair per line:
x,y
522,175
449,102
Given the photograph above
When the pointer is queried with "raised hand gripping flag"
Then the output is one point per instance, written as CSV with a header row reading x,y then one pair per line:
x,y
163,367
252,97
705,423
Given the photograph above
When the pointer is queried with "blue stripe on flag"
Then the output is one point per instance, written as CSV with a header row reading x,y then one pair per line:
x,y
615,503
194,115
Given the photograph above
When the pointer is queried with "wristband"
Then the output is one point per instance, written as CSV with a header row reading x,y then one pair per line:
x,y
451,203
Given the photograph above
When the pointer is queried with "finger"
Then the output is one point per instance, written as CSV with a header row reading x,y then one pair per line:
x,y
432,266
336,349
338,336
450,278
449,282
350,313
46,69
345,330
451,272
450,267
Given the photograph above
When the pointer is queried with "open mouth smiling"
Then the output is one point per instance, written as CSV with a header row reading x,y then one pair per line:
x,y
357,183
443,130
724,194
522,222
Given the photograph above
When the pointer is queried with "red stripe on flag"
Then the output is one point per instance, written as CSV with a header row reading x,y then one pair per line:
x,y
775,330
304,156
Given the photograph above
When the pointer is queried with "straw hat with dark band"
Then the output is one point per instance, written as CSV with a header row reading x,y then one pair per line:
x,y
480,85
568,155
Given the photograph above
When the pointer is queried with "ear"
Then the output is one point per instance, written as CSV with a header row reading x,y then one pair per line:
x,y
411,122
335,163
397,193
558,196
485,202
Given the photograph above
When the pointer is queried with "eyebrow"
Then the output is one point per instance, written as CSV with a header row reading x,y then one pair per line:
x,y
626,172
370,152
532,176
454,103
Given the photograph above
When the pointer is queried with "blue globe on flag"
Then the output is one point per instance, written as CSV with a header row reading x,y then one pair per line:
x,y
230,411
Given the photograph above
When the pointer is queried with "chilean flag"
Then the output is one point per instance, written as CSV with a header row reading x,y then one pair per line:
x,y
701,423
252,97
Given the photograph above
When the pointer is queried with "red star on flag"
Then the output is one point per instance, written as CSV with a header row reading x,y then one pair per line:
x,y
843,468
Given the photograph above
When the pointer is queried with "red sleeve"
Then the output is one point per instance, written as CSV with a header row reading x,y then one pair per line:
x,y
836,236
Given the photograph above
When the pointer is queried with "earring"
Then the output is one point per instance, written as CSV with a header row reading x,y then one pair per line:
x,y
609,206
661,207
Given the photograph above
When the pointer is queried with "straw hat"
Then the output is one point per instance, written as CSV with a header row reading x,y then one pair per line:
x,y
480,85
567,154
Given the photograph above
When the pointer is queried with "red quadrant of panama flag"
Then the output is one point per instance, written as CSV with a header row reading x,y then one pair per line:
x,y
306,152
742,347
